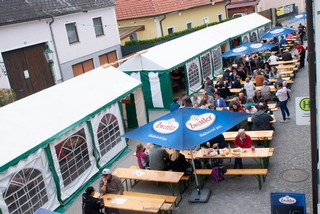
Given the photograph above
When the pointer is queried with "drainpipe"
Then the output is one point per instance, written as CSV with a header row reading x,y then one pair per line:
x,y
55,48
164,17
227,3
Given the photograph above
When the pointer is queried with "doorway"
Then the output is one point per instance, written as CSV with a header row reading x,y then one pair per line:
x,y
27,69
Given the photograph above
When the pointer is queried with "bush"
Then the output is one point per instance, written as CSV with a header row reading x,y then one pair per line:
x,y
172,36
6,96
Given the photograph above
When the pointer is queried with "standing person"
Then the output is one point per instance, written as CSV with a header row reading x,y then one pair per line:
x,y
110,183
158,158
142,157
302,54
250,88
242,140
174,105
282,94
90,204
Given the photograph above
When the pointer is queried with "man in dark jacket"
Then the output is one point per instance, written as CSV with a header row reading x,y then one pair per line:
x,y
261,120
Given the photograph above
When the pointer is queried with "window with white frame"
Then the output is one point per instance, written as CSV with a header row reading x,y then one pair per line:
x,y
73,156
170,30
26,192
98,27
72,32
108,133
206,65
189,25
217,61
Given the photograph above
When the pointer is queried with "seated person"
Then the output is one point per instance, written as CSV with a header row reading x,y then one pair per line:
x,y
282,41
257,96
110,183
178,161
261,120
142,157
259,78
287,56
242,140
90,204
174,105
236,83
158,157
219,101
265,90
224,91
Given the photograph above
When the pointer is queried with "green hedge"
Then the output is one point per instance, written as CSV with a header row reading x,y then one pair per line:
x,y
172,36
6,96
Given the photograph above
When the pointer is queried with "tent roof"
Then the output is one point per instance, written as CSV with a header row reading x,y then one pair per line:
x,y
172,53
31,121
241,25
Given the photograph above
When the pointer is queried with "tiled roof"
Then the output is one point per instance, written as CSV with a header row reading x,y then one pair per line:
x,y
13,11
128,9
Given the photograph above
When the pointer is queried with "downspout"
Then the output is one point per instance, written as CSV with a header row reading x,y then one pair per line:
x,y
164,17
55,48
227,3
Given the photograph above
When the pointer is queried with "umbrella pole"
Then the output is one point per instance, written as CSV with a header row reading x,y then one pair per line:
x,y
197,195
195,173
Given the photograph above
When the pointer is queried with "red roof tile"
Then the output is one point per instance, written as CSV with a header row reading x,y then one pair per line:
x,y
128,9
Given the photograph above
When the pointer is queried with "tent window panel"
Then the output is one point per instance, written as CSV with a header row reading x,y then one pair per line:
x,y
206,65
69,153
193,75
217,61
109,133
26,192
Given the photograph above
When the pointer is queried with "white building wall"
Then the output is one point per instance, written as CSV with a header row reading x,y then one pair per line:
x,y
22,35
267,4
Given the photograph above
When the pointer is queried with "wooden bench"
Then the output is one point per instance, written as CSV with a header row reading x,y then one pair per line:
x,y
168,199
256,172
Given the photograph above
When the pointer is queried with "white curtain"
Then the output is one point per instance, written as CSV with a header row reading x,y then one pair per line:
x,y
95,121
140,107
37,161
67,191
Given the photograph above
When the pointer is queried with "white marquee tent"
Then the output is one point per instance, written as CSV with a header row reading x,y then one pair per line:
x,y
54,141
199,52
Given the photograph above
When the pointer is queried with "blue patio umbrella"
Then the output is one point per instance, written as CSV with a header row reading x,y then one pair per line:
x,y
277,31
298,17
186,128
248,48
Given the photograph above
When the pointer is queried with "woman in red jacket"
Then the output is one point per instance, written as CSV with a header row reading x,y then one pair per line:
x,y
241,141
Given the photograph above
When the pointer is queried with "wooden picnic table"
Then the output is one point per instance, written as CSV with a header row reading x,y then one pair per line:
x,y
255,135
286,67
273,121
149,175
133,203
284,62
238,90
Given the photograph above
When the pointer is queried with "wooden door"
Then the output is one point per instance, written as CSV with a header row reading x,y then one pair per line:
x,y
82,67
28,71
108,58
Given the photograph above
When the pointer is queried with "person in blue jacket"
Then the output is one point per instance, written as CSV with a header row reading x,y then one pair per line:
x,y
174,105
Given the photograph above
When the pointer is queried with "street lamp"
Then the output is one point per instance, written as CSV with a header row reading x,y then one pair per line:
x,y
48,53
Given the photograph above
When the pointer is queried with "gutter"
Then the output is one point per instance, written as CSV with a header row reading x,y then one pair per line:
x,y
55,48
164,17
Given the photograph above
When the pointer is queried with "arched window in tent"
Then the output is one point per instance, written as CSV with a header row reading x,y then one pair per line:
x,y
108,133
206,65
194,75
26,192
254,36
217,61
73,156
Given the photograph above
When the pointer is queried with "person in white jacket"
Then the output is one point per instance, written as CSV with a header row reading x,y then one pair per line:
x,y
282,94
250,88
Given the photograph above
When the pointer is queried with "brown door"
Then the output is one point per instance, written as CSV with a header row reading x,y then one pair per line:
x,y
28,70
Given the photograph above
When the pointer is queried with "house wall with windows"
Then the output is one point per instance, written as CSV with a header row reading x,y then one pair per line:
x,y
177,20
88,46
266,4
95,44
